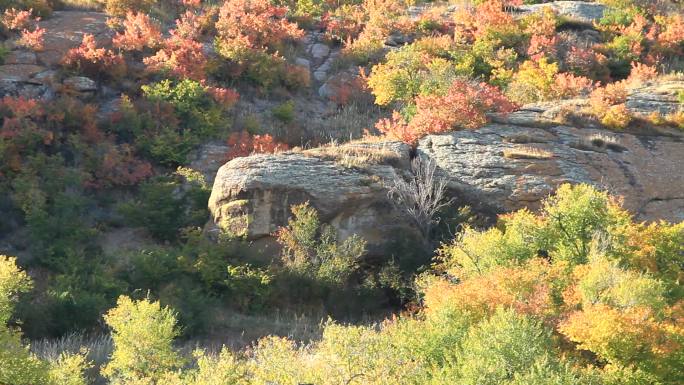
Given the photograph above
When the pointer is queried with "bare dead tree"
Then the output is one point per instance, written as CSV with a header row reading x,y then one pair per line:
x,y
422,196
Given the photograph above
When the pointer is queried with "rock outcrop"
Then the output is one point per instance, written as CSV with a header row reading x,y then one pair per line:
x,y
572,11
35,75
346,184
514,162
501,167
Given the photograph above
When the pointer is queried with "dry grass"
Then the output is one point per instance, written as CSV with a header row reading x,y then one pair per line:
x,y
79,5
526,152
355,155
99,347
348,122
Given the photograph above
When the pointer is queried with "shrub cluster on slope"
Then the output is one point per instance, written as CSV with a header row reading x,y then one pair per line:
x,y
577,294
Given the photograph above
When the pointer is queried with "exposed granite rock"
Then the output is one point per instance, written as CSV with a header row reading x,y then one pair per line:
x,y
320,51
574,11
253,195
19,72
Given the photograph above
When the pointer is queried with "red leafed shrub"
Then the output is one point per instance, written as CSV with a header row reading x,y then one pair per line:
x,y
15,20
179,56
641,73
479,21
587,62
396,128
244,144
465,105
671,33
223,96
139,32
32,39
94,61
189,25
295,76
250,34
256,24
120,167
344,23
542,46
347,88
567,85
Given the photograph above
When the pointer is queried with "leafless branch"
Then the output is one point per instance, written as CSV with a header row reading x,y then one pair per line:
x,y
422,196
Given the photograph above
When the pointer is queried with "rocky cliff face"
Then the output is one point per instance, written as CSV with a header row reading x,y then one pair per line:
x,y
512,163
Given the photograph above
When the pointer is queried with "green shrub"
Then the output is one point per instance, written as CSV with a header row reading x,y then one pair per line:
x,y
312,249
248,287
143,334
172,120
69,369
167,204
569,223
17,365
498,349
193,105
284,112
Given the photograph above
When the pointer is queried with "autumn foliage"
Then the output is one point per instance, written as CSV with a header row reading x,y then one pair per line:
x,y
243,144
464,106
139,32
91,60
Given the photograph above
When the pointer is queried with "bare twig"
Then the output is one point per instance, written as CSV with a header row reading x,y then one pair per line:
x,y
422,196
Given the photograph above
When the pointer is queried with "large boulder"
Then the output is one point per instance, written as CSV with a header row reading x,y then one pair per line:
x,y
252,195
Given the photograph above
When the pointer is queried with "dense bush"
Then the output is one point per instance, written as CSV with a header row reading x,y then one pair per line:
x,y
93,61
250,35
173,118
168,204
576,294
464,105
312,249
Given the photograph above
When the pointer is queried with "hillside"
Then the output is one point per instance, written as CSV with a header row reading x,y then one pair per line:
x,y
352,192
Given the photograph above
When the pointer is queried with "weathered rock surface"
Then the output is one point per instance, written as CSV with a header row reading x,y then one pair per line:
x,y
661,97
253,195
647,170
80,84
574,11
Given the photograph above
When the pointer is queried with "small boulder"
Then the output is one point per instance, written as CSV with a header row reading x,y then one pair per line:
x,y
300,61
320,51
80,84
